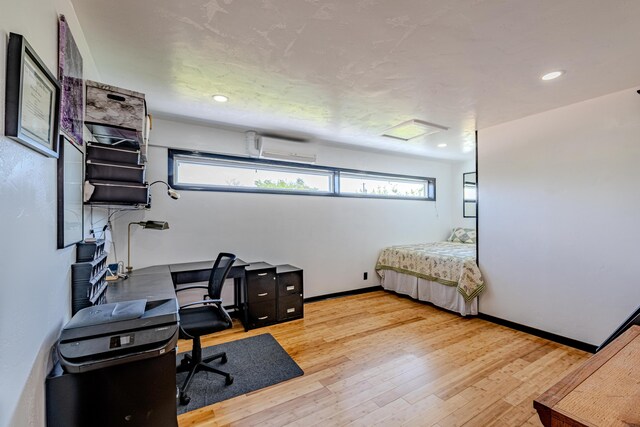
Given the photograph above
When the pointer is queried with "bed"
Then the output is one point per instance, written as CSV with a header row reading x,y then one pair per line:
x,y
443,273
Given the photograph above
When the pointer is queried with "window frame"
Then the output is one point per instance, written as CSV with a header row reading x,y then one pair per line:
x,y
430,183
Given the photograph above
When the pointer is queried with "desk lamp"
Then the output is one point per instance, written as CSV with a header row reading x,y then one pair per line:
x,y
152,225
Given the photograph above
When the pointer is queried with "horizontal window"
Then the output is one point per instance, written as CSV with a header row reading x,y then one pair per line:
x,y
360,184
242,175
212,172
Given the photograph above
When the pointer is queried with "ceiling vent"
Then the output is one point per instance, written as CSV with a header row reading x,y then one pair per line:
x,y
412,129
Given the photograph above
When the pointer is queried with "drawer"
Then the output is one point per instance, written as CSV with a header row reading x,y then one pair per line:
x,y
115,106
118,137
118,192
112,171
290,283
262,313
112,153
290,307
261,286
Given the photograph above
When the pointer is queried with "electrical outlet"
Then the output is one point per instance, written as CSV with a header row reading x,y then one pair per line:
x,y
365,276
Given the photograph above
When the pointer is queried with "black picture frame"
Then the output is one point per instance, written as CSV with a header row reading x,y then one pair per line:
x,y
32,105
70,193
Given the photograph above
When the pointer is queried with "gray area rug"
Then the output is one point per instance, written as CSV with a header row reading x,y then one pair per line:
x,y
255,363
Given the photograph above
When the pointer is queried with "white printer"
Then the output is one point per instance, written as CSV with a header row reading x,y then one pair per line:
x,y
117,367
109,334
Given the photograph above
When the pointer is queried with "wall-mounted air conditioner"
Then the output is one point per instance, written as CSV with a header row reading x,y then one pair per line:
x,y
273,148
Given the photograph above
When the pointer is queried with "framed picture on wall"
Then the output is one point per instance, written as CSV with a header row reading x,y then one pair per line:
x,y
32,99
71,82
70,192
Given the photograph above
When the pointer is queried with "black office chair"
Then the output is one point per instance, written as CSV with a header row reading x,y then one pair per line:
x,y
207,318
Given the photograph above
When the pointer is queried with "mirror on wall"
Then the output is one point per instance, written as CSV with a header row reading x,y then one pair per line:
x,y
469,195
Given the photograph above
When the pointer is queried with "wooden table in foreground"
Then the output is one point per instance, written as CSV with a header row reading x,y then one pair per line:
x,y
604,391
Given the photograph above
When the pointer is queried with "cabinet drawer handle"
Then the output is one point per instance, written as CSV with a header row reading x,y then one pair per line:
x,y
116,97
262,274
290,288
290,310
263,295
263,318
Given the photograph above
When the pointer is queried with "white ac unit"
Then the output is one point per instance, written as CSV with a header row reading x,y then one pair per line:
x,y
267,147
252,142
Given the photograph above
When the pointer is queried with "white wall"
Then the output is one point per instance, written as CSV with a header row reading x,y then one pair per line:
x,y
458,217
334,240
559,205
35,284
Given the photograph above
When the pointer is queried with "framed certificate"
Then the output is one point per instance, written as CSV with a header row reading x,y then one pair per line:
x,y
32,99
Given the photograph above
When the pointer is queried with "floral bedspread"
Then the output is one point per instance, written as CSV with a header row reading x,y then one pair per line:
x,y
451,264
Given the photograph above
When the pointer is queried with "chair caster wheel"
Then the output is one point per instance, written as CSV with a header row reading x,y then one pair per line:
x,y
223,359
184,399
184,362
229,380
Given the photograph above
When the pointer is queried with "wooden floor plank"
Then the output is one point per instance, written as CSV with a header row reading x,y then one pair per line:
x,y
378,358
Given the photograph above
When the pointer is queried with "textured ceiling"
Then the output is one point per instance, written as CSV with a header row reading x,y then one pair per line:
x,y
346,70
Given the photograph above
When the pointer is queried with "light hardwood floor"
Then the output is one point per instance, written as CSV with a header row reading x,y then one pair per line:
x,y
381,359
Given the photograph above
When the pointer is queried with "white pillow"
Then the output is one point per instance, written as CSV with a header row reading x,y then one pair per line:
x,y
463,235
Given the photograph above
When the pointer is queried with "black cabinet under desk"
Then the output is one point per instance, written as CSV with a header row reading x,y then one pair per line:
x,y
272,294
290,292
260,295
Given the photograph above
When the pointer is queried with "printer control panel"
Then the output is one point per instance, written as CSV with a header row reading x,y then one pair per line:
x,y
121,341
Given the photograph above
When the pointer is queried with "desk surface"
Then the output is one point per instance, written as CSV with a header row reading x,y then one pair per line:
x,y
604,391
156,282
142,284
200,265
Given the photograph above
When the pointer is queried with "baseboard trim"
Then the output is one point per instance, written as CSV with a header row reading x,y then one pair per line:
x,y
344,294
540,333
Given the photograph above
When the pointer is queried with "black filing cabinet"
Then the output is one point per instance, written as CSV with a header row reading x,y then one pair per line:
x,y
273,294
260,298
290,292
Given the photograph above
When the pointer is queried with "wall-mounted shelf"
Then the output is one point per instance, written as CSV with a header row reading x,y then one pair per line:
x,y
89,276
116,159
115,135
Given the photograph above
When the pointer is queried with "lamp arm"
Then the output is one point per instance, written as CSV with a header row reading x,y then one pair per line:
x,y
160,181
170,191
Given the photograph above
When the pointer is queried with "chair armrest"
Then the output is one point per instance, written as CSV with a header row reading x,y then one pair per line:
x,y
191,287
205,301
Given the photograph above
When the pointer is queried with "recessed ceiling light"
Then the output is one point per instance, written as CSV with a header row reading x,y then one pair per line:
x,y
552,75
413,129
220,98
442,145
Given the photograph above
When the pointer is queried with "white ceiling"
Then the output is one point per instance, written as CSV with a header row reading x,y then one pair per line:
x,y
346,70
